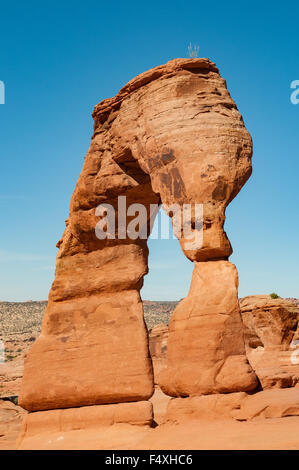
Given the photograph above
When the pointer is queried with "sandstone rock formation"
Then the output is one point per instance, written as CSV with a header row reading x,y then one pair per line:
x,y
206,352
213,407
241,406
271,338
39,425
10,424
158,348
269,404
172,135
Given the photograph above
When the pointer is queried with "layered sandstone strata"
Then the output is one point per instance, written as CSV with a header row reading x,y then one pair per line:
x,y
54,425
172,135
241,406
271,339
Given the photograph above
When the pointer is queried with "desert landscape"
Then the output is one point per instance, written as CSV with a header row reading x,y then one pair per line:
x,y
149,302
94,367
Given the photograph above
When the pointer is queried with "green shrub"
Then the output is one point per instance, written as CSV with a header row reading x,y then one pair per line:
x,y
274,296
9,357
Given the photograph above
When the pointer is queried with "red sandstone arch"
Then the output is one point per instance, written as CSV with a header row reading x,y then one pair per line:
x,y
173,134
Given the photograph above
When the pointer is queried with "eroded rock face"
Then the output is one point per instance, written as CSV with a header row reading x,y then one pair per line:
x,y
205,352
69,428
11,417
240,406
39,427
271,338
204,407
158,348
269,404
172,135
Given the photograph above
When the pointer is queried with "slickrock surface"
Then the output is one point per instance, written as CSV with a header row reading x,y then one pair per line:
x,y
269,404
58,422
267,434
271,329
172,134
188,430
193,426
241,406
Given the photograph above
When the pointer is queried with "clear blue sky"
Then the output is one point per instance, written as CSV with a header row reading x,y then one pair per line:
x,y
59,59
